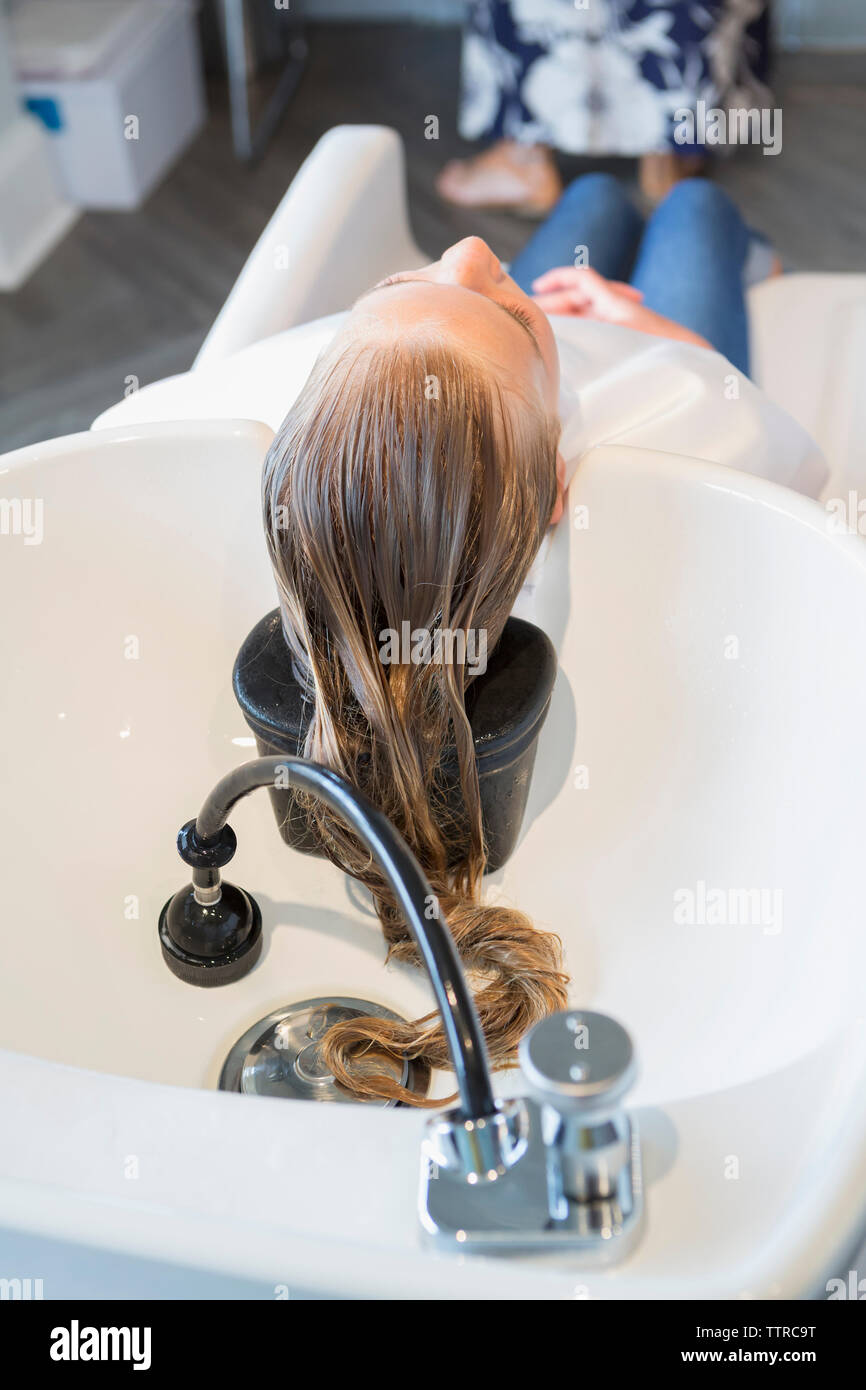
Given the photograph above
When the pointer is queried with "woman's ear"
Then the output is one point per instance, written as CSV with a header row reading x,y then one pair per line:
x,y
559,504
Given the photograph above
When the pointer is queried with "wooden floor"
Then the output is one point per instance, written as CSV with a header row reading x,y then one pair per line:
x,y
133,294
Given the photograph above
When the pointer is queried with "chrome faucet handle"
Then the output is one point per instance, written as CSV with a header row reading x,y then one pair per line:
x,y
578,1066
559,1169
578,1062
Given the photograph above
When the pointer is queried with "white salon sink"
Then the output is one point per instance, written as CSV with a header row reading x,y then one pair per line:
x,y
712,638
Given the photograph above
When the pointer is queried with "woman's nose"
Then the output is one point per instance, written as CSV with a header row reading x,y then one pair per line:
x,y
471,263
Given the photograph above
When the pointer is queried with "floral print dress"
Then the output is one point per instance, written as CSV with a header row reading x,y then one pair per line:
x,y
606,77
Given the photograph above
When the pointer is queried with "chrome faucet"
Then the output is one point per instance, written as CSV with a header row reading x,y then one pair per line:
x,y
571,1172
560,1167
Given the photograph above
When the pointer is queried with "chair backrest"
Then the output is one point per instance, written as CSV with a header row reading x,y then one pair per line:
x,y
342,225
808,346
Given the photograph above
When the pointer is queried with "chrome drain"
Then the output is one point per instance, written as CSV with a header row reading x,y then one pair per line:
x,y
280,1055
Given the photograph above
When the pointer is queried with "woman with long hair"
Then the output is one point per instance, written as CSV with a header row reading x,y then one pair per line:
x,y
414,480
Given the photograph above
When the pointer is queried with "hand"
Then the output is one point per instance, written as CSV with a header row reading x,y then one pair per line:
x,y
581,291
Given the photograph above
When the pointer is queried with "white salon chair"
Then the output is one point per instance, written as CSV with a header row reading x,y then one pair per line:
x,y
344,223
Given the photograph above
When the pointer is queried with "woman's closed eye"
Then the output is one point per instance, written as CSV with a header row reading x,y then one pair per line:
x,y
522,315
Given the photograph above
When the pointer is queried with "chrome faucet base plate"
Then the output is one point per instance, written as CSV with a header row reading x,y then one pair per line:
x,y
523,1209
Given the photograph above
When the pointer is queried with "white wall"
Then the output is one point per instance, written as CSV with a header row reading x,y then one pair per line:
x,y
820,23
8,94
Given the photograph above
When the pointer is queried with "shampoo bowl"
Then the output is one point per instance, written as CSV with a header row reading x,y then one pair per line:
x,y
694,833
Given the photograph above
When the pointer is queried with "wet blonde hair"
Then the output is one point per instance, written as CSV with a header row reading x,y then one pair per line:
x,y
406,484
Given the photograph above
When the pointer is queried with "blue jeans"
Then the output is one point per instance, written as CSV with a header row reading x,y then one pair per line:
x,y
687,259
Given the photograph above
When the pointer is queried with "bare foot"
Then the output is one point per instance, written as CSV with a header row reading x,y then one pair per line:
x,y
510,175
660,172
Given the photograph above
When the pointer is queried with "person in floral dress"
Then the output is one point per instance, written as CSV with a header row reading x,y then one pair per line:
x,y
595,77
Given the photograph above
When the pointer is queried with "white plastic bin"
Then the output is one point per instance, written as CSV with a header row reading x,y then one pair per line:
x,y
118,85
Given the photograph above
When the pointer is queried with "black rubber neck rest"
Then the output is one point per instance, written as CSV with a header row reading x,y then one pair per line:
x,y
506,707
